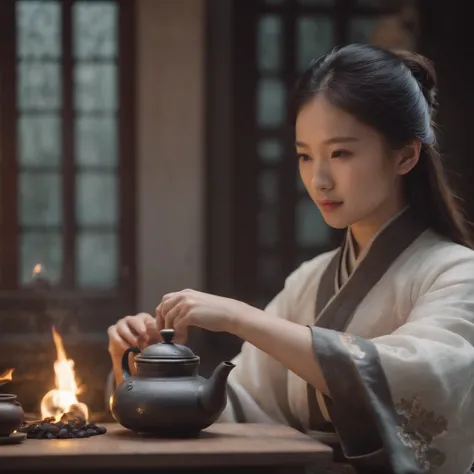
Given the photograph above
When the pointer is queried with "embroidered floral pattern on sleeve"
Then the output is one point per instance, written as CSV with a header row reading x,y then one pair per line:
x,y
417,429
350,343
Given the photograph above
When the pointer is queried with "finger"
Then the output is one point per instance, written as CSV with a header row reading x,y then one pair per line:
x,y
136,325
139,331
181,326
173,318
164,299
172,314
169,301
152,334
152,330
146,317
159,319
126,334
116,343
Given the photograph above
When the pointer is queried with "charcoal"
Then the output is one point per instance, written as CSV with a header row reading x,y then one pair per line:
x,y
54,429
101,430
71,425
42,434
64,433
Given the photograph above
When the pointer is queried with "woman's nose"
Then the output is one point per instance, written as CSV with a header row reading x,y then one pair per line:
x,y
321,179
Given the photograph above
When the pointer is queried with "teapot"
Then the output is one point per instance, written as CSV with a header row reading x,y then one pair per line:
x,y
11,414
166,397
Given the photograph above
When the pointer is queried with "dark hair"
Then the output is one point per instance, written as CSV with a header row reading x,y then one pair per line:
x,y
395,93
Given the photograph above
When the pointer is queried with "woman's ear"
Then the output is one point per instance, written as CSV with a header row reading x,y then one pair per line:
x,y
408,157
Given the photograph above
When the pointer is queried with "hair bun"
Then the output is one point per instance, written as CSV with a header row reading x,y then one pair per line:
x,y
424,72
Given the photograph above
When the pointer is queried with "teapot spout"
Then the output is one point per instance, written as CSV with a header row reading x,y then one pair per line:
x,y
213,394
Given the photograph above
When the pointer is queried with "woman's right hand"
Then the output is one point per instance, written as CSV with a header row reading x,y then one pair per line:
x,y
139,330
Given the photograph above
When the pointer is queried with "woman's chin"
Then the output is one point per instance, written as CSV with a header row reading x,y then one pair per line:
x,y
336,222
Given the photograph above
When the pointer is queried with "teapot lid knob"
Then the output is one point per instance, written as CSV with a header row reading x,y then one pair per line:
x,y
167,335
167,350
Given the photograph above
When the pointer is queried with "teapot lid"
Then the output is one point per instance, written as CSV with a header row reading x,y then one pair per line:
x,y
167,350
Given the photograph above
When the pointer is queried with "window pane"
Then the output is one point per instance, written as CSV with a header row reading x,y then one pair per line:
x,y
271,102
96,199
38,29
268,226
268,186
95,29
270,151
270,37
95,87
310,227
39,86
40,199
314,38
39,141
361,29
96,141
96,263
44,248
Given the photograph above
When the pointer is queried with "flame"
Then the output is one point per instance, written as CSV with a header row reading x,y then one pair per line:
x,y
6,376
38,268
62,399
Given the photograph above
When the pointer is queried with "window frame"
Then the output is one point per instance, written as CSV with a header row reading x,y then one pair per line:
x,y
232,249
123,296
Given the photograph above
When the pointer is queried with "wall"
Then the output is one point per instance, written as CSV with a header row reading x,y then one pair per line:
x,y
170,133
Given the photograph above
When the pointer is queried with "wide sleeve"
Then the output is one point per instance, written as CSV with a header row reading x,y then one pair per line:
x,y
258,385
411,402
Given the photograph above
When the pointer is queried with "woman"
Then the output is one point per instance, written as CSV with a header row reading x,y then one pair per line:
x,y
375,340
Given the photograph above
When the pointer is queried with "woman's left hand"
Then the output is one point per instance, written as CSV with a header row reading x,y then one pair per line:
x,y
187,308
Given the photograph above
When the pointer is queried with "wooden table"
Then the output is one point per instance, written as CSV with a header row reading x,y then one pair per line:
x,y
224,448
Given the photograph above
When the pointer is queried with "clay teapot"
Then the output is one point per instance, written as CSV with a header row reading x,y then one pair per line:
x,y
11,414
167,397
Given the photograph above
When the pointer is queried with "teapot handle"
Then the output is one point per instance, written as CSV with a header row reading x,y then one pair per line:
x,y
125,362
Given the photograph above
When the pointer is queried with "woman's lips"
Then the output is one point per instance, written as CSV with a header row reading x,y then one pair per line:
x,y
329,205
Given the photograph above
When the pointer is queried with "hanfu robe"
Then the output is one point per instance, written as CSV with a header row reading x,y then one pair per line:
x,y
393,332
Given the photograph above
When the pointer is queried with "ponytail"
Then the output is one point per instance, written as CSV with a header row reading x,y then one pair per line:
x,y
431,198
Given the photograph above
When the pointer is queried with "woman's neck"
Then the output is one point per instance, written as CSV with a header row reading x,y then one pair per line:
x,y
363,232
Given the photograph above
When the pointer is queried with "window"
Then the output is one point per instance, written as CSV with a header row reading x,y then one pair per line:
x,y
66,144
275,226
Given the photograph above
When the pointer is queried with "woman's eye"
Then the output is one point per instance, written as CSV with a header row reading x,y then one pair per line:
x,y
303,157
340,153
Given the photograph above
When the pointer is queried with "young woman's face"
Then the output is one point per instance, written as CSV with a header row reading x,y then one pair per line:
x,y
346,166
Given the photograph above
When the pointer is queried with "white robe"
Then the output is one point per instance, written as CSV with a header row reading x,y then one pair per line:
x,y
401,369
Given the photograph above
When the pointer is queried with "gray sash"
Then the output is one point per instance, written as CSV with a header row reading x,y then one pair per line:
x,y
336,311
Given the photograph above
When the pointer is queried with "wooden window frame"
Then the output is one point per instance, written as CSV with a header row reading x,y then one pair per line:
x,y
88,303
232,162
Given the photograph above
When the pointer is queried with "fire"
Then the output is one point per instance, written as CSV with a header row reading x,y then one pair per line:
x,y
62,399
6,376
37,269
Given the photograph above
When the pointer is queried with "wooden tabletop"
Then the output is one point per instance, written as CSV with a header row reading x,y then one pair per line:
x,y
223,444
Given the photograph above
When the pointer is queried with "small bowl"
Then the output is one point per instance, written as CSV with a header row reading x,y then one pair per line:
x,y
11,414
